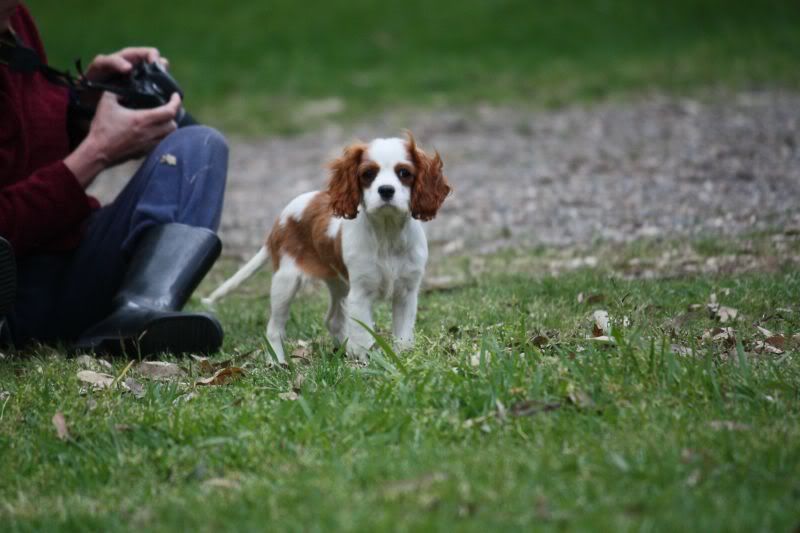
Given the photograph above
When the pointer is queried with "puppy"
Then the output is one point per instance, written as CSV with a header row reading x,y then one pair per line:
x,y
362,236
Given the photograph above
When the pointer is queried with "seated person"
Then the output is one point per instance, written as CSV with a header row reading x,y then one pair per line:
x,y
112,278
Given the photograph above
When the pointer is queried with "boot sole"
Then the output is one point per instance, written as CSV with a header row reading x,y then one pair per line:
x,y
8,278
172,334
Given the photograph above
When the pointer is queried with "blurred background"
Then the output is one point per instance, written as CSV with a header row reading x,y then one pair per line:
x,y
255,67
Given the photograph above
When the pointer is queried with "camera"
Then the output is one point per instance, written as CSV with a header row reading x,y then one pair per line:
x,y
148,85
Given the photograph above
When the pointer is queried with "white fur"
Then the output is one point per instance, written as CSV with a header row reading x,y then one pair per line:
x,y
384,250
297,206
242,274
387,153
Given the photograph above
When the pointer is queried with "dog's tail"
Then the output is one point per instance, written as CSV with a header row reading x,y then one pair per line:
x,y
234,281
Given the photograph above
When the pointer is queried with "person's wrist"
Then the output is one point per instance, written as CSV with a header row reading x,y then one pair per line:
x,y
87,161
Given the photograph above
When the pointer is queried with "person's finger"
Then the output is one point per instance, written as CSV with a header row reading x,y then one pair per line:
x,y
137,54
163,113
110,63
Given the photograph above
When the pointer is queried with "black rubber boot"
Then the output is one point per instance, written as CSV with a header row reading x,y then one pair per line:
x,y
167,265
8,286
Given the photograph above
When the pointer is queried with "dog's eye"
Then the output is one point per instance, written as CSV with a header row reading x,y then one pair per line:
x,y
403,173
369,174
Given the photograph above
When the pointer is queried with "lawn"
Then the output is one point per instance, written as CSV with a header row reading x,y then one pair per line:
x,y
504,415
255,67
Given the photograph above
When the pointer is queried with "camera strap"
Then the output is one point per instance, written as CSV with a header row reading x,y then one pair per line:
x,y
23,59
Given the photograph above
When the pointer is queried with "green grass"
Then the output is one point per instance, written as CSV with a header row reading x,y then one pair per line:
x,y
568,434
250,66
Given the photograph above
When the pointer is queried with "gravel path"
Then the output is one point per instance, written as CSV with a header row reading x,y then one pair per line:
x,y
617,171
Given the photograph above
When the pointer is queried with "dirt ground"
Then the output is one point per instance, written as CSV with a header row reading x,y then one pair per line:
x,y
656,166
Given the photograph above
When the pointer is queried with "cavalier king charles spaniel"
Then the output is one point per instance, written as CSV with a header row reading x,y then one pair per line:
x,y
362,236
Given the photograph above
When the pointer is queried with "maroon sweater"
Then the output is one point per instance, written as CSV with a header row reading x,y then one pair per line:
x,y
43,208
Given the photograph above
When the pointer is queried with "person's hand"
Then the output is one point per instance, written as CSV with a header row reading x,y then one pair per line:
x,y
104,67
118,134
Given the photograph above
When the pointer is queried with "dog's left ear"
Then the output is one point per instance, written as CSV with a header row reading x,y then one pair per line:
x,y
430,187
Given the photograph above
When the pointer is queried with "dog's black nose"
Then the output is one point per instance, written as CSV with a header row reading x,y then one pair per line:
x,y
386,192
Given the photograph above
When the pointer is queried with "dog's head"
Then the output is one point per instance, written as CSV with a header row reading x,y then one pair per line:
x,y
387,174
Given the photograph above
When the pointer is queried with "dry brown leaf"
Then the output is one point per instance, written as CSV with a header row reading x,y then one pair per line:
x,y
532,407
724,335
97,380
540,341
205,366
222,376
591,299
159,370
302,352
60,424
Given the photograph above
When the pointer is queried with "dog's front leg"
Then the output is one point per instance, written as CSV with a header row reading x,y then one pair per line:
x,y
404,314
359,307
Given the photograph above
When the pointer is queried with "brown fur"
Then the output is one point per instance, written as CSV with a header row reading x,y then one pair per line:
x,y
345,187
306,241
430,187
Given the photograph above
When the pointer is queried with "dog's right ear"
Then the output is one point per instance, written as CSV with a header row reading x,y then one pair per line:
x,y
344,186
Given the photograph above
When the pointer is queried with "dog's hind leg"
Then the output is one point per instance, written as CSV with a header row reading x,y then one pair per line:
x,y
285,284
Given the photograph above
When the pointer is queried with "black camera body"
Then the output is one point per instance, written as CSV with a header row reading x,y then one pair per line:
x,y
148,85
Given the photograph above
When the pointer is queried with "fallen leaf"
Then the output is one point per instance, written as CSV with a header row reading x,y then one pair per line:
x,y
60,424
222,483
580,399
168,159
90,363
764,331
205,366
591,299
303,351
475,359
540,341
289,396
222,376
135,388
297,382
683,351
601,323
725,335
532,407
728,425
726,314
184,398
411,486
159,370
773,344
602,339
97,380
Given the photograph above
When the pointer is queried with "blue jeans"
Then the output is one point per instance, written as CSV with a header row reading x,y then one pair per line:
x,y
60,296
